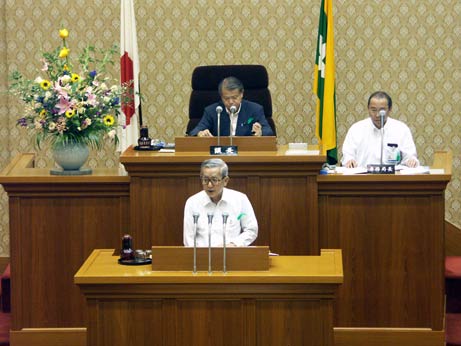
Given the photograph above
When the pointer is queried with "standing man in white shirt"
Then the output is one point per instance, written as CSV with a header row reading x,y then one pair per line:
x,y
362,145
242,227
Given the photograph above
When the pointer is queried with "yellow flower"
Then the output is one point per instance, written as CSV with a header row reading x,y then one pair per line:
x,y
45,84
64,52
109,120
42,114
65,68
70,113
63,33
75,77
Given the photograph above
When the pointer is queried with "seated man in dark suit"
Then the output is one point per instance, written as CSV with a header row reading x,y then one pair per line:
x,y
242,117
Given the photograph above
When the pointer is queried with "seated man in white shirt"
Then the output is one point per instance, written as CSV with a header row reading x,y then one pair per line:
x,y
362,145
242,227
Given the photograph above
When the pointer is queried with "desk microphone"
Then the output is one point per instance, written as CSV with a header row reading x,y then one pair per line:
x,y
195,215
233,110
218,114
210,222
382,114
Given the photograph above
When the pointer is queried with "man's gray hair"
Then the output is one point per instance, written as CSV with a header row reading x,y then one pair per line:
x,y
213,163
230,83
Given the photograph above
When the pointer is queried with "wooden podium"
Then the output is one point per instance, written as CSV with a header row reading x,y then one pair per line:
x,y
290,304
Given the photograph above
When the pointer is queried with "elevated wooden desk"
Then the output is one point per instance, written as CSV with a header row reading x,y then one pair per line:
x,y
391,231
55,223
291,304
281,188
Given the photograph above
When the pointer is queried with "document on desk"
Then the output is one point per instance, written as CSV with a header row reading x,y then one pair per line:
x,y
415,170
351,171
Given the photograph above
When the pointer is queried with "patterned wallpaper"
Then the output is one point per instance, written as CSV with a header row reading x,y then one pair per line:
x,y
410,48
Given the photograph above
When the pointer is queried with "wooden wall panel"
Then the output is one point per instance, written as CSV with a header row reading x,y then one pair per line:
x,y
210,322
391,233
117,320
298,322
51,238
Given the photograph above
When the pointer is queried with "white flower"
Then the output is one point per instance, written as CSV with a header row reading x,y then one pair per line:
x,y
51,126
111,134
65,79
38,80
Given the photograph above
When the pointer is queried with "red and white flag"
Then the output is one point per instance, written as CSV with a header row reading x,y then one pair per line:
x,y
129,68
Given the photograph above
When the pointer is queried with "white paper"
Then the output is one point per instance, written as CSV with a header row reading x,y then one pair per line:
x,y
351,171
415,170
301,152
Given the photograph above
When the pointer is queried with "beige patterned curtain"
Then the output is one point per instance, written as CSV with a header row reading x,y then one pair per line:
x,y
410,48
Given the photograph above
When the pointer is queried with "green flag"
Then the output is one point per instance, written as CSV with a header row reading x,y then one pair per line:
x,y
324,84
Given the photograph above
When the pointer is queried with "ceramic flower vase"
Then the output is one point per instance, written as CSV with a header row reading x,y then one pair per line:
x,y
70,156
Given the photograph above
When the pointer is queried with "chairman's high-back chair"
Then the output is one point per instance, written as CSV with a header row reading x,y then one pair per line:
x,y
205,81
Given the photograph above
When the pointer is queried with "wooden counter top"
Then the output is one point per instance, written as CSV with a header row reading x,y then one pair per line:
x,y
102,268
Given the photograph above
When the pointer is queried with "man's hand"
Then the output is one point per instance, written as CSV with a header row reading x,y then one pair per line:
x,y
257,129
204,133
412,163
351,164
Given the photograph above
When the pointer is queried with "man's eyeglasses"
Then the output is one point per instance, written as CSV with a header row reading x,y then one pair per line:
x,y
207,180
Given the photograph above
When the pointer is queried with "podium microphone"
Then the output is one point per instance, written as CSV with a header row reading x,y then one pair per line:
x,y
382,114
195,215
218,114
225,215
233,110
210,221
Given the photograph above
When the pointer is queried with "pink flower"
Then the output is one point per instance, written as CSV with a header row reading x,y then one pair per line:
x,y
91,99
61,91
64,105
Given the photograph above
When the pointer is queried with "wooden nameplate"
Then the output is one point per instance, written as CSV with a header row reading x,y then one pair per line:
x,y
178,258
244,143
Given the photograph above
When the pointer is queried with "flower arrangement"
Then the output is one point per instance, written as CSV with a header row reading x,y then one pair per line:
x,y
67,103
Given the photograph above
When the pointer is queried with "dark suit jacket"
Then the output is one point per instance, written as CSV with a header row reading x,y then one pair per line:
x,y
249,114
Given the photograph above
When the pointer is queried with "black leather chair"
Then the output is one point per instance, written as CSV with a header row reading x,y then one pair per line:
x,y
205,81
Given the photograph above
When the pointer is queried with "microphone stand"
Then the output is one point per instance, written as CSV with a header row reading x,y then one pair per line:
x,y
210,221
195,216
224,221
233,109
218,113
382,113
